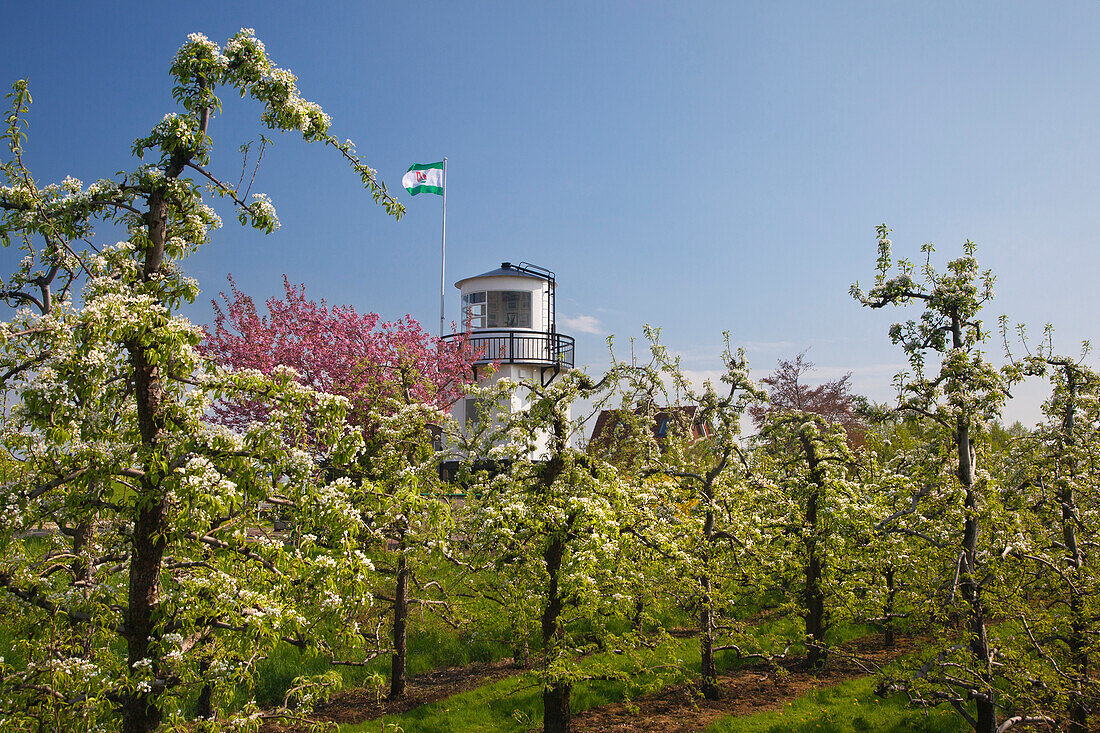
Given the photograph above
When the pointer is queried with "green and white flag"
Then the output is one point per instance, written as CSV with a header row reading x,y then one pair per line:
x,y
424,178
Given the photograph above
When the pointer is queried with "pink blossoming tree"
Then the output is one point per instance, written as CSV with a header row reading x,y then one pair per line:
x,y
337,350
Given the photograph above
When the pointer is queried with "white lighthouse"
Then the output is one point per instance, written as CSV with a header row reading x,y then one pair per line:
x,y
511,315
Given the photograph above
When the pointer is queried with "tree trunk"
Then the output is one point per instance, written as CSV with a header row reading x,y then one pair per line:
x,y
141,709
1078,643
708,670
204,707
521,652
400,629
555,708
82,537
888,612
814,598
82,572
1078,708
141,712
639,611
813,595
986,708
555,696
986,711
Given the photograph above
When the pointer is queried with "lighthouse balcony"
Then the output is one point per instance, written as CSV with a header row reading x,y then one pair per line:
x,y
521,347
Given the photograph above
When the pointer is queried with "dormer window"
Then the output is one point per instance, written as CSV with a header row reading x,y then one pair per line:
x,y
497,309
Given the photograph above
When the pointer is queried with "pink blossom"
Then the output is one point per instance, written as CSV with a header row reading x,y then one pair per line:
x,y
337,350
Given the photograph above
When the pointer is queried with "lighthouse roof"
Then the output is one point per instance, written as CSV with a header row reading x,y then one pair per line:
x,y
506,269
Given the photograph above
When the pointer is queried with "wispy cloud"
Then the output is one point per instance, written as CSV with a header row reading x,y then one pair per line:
x,y
699,356
710,353
868,371
584,324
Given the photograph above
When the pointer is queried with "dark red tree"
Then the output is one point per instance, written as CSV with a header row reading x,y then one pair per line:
x,y
833,400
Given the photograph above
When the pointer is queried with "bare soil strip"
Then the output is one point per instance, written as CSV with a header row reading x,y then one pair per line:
x,y
752,689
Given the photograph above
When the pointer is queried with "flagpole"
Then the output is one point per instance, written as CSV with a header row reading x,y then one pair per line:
x,y
443,257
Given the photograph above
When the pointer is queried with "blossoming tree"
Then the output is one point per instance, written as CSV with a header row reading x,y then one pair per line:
x,y
832,400
549,525
824,517
960,397
336,350
708,522
176,591
1056,507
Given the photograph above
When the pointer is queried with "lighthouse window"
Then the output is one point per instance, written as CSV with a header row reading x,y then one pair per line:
x,y
473,310
509,309
497,309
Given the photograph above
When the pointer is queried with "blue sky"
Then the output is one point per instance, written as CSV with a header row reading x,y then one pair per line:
x,y
698,166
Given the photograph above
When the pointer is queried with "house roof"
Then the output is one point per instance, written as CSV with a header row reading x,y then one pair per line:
x,y
604,431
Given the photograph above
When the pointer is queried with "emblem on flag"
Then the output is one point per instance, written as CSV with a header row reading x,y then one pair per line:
x,y
424,178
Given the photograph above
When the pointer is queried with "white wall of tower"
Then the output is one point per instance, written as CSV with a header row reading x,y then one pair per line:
x,y
500,314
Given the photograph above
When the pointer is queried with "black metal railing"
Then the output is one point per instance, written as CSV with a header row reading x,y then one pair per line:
x,y
521,347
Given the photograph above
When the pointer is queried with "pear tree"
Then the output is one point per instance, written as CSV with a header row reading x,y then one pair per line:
x,y
819,502
399,382
546,521
953,385
178,589
1055,606
710,528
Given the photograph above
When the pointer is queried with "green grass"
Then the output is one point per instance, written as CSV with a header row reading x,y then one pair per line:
x,y
514,704
431,645
510,705
850,707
